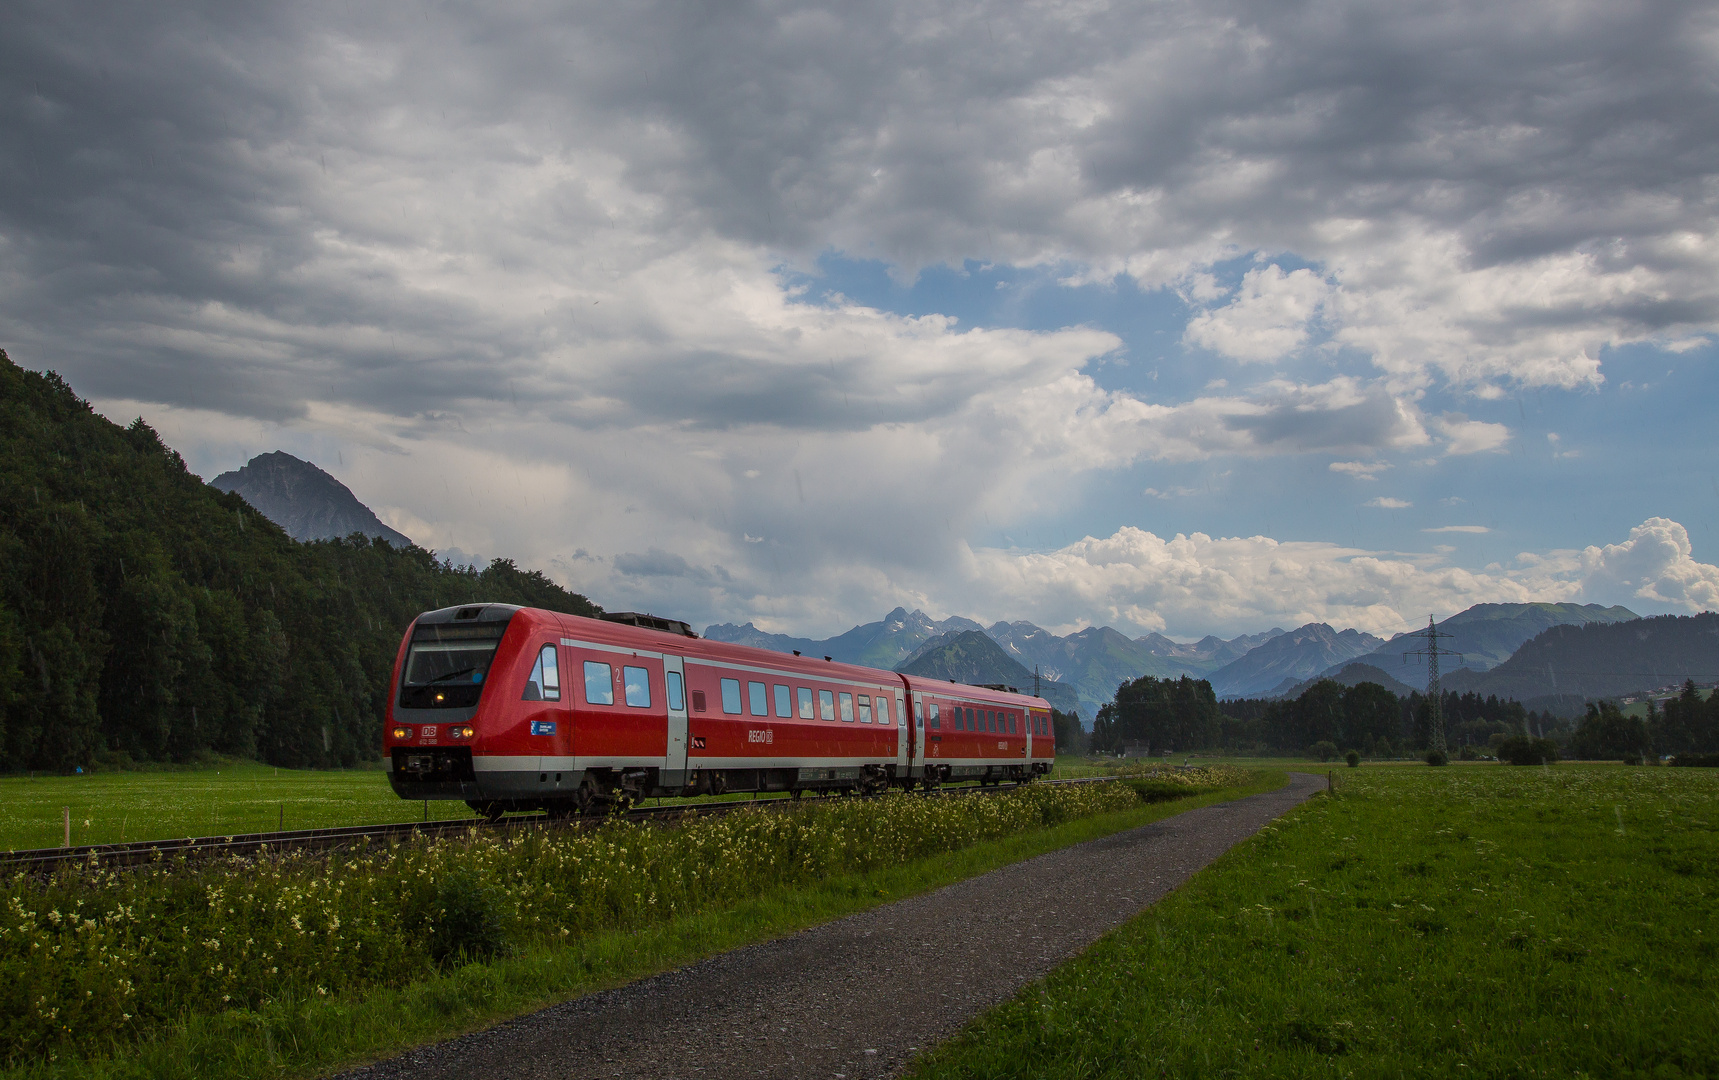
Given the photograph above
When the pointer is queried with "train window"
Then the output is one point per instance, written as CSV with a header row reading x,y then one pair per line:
x,y
990,722
599,684
446,664
847,708
756,696
919,714
1012,730
784,702
676,692
805,703
865,708
638,683
826,705
731,696
883,710
960,721
545,681
698,701
936,720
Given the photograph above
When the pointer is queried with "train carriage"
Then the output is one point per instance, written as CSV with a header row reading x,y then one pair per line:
x,y
514,708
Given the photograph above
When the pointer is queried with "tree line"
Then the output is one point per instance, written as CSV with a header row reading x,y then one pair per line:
x,y
1152,716
146,616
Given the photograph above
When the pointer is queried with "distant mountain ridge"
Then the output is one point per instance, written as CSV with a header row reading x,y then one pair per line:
x,y
1487,635
1565,665
885,643
1092,661
1287,659
1352,674
304,500
975,658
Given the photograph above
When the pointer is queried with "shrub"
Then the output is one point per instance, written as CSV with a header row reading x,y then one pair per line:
x,y
1324,750
1525,750
1699,761
1437,757
467,923
1468,753
1353,757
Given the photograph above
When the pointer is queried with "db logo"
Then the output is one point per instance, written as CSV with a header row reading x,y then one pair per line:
x,y
428,731
757,736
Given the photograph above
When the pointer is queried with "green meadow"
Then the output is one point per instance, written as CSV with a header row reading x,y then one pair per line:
x,y
220,800
1478,921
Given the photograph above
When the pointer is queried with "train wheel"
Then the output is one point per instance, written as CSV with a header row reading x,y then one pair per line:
x,y
585,799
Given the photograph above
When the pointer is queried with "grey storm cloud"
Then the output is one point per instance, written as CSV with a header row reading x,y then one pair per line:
x,y
200,172
1299,422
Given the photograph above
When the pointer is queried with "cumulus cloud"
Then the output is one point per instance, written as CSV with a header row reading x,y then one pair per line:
x,y
1655,564
1360,470
1467,436
1267,320
1386,503
1191,584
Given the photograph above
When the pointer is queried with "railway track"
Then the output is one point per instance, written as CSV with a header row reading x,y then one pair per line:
x,y
42,860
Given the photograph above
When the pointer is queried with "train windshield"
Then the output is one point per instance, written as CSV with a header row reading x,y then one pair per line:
x,y
446,665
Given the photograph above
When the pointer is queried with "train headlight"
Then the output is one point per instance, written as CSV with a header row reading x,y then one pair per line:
x,y
402,733
462,732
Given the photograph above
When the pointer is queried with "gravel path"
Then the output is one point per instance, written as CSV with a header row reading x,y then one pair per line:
x,y
857,997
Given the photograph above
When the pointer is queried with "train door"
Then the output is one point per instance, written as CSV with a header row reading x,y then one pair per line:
x,y
674,676
921,731
903,737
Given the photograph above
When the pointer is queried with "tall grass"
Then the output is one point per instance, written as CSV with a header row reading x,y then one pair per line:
x,y
95,957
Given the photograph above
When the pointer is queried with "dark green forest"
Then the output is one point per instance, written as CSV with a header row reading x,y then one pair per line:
x,y
146,616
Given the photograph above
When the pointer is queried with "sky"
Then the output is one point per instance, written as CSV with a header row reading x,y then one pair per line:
x,y
1176,317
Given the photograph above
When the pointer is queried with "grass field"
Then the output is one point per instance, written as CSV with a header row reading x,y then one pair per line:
x,y
231,798
111,807
1482,921
193,954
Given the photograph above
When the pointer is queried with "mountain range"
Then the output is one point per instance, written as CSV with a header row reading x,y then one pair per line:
x,y
1275,663
305,501
1486,635
1275,666
1092,661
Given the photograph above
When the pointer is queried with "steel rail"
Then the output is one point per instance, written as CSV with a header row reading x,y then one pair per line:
x,y
139,852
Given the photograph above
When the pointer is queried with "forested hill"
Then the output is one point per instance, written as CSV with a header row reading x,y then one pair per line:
x,y
1563,667
145,613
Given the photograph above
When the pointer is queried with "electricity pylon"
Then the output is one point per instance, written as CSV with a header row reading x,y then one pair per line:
x,y
1435,700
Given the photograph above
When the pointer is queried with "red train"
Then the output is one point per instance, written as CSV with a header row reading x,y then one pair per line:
x,y
513,708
